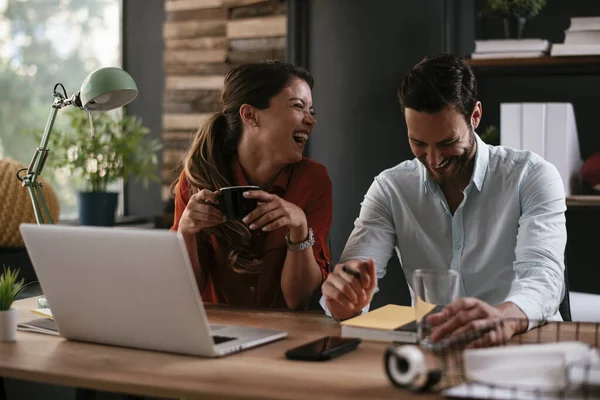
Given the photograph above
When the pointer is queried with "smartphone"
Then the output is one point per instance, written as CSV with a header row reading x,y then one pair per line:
x,y
323,349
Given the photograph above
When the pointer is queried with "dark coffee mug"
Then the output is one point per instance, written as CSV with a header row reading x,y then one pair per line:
x,y
233,203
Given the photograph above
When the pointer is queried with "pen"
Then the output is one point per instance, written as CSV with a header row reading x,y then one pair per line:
x,y
350,271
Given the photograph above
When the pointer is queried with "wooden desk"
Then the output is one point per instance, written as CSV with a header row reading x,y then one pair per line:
x,y
261,372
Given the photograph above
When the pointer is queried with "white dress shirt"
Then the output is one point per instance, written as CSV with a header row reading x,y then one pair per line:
x,y
506,238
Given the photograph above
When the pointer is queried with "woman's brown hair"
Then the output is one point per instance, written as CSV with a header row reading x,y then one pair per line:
x,y
207,164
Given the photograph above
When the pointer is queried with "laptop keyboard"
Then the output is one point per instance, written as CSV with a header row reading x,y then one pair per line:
x,y
222,339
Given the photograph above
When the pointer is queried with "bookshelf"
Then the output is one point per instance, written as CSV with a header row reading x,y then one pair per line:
x,y
544,65
583,201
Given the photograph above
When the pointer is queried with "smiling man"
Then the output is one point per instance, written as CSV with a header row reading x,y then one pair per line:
x,y
494,214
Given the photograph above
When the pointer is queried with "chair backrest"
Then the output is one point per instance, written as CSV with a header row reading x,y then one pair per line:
x,y
565,305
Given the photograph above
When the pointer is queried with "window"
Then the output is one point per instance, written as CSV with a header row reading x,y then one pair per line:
x,y
44,42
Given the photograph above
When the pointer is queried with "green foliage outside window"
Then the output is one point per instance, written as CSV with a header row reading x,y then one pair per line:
x,y
44,42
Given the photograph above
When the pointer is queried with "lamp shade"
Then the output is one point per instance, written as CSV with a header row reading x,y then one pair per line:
x,y
106,89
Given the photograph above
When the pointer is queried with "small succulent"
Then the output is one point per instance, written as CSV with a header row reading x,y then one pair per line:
x,y
9,288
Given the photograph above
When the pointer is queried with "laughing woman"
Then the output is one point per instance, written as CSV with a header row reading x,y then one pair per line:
x,y
278,255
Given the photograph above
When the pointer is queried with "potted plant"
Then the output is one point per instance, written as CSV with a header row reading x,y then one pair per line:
x,y
119,149
9,289
514,14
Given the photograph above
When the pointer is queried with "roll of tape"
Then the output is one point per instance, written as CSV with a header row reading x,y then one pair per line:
x,y
412,368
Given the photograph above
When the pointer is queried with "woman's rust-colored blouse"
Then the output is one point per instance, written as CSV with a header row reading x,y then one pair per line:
x,y
305,184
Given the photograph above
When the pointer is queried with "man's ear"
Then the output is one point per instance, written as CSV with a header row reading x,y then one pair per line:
x,y
476,115
249,115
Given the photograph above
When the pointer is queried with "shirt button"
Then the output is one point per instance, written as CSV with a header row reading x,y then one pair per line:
x,y
255,261
458,246
252,288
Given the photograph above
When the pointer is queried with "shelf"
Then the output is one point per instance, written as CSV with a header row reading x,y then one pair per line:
x,y
537,65
583,201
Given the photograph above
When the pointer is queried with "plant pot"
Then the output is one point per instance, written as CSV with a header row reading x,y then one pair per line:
x,y
97,208
513,27
8,325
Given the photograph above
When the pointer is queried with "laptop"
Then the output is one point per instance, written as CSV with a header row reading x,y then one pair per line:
x,y
129,287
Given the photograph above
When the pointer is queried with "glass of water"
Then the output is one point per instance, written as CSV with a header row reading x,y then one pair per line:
x,y
433,289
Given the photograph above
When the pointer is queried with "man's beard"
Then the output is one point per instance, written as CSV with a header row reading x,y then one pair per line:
x,y
461,163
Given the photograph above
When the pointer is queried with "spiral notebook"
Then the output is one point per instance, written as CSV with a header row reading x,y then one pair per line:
x,y
41,325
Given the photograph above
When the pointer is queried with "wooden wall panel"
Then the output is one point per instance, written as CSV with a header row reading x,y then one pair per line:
x,y
203,39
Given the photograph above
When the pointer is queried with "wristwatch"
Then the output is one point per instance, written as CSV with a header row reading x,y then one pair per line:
x,y
345,319
309,242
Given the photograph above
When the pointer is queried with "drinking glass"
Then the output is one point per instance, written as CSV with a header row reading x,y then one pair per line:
x,y
433,289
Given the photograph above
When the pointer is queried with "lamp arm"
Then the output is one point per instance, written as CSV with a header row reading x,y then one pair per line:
x,y
29,180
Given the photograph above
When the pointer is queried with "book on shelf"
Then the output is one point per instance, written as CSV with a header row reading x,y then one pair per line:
x,y
512,45
510,48
523,54
562,49
582,37
584,24
390,323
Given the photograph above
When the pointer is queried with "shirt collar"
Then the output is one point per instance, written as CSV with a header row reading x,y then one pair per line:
x,y
482,157
281,182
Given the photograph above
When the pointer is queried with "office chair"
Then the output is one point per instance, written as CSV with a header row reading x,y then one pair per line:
x,y
564,307
2,391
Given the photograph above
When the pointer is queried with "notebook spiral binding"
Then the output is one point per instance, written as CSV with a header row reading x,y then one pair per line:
x,y
441,367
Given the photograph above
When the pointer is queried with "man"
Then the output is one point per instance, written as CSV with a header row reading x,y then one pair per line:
x,y
494,214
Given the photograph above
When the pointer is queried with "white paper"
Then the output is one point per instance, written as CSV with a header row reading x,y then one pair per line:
x,y
477,391
538,371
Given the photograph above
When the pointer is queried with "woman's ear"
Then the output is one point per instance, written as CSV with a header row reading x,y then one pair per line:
x,y
476,115
249,115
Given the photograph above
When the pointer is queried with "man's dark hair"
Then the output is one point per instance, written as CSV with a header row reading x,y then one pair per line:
x,y
438,82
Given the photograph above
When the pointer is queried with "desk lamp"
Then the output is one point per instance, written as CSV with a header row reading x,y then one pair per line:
x,y
103,90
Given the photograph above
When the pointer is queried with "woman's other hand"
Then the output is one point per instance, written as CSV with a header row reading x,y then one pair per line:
x,y
201,212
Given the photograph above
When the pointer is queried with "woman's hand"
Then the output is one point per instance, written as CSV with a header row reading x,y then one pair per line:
x,y
201,213
273,213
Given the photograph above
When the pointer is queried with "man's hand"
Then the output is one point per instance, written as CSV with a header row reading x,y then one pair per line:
x,y
346,295
470,314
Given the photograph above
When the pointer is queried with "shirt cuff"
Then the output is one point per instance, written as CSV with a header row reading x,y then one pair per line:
x,y
530,308
328,313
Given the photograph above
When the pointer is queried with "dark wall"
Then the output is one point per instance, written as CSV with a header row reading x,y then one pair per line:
x,y
142,58
358,52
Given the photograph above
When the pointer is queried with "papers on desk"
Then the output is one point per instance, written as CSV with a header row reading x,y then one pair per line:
x,y
539,371
43,312
479,391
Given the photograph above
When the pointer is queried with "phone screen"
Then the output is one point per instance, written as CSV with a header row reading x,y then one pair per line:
x,y
324,348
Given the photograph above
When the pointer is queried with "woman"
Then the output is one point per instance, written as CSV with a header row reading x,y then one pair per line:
x,y
278,255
